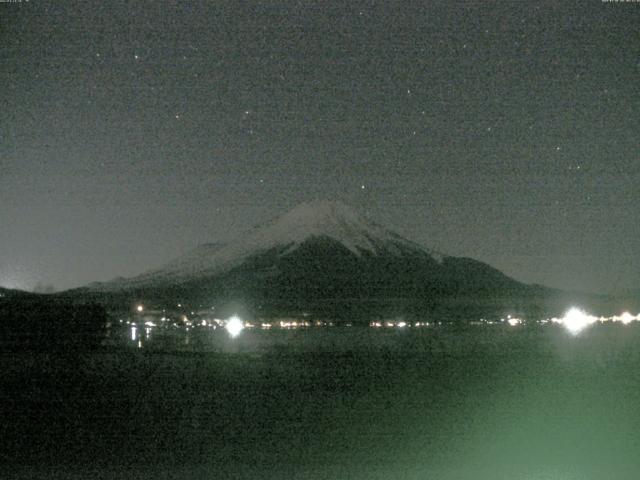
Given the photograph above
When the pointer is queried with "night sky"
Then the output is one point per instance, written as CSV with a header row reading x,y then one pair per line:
x,y
506,131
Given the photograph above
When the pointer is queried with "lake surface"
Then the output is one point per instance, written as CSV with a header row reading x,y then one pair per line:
x,y
356,403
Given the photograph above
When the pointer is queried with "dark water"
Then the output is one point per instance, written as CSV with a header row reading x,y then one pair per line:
x,y
485,403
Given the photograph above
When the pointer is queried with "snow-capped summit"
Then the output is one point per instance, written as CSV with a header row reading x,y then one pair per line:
x,y
331,220
321,257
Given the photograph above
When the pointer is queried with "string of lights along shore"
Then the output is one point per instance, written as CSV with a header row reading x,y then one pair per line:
x,y
320,239
574,321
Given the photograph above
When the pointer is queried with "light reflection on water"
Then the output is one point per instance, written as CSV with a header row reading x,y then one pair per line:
x,y
429,336
508,406
208,334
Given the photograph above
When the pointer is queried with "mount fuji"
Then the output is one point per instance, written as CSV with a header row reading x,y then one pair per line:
x,y
321,257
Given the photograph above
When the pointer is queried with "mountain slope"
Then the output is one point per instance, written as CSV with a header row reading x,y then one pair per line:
x,y
325,259
332,220
321,257
11,294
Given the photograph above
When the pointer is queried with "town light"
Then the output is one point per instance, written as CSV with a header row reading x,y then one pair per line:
x,y
234,326
626,318
575,320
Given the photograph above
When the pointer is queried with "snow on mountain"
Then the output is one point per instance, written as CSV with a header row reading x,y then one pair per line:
x,y
199,256
328,219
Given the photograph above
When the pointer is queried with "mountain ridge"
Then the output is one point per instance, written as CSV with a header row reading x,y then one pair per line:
x,y
309,220
325,259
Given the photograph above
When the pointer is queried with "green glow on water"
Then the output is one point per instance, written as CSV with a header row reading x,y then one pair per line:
x,y
501,404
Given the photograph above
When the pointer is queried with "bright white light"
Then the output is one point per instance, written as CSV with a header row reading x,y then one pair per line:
x,y
134,332
627,318
402,324
575,320
513,321
139,308
234,326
